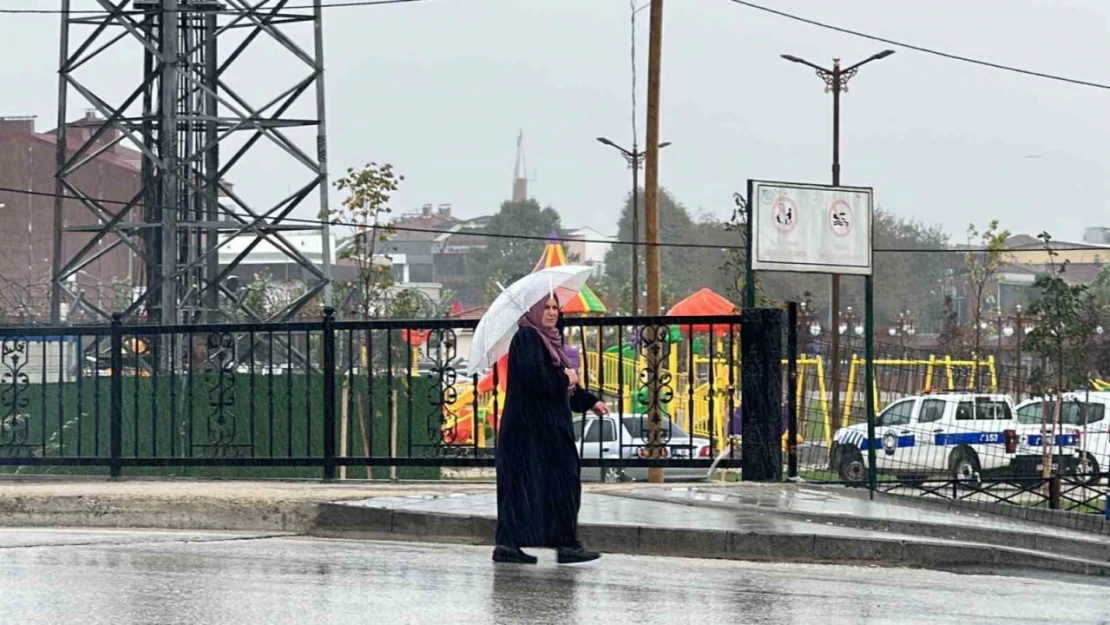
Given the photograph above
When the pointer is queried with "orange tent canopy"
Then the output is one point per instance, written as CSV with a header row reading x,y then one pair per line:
x,y
704,303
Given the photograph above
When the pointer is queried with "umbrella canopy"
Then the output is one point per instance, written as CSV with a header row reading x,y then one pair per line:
x,y
585,302
499,325
704,303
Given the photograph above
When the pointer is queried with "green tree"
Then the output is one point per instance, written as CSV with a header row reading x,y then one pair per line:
x,y
506,260
367,203
736,259
1061,338
1099,353
258,294
984,261
686,265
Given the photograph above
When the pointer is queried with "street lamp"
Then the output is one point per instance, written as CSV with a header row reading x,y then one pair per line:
x,y
1016,325
903,329
635,159
836,81
807,318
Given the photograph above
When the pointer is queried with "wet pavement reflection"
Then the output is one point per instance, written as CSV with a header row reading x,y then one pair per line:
x,y
123,577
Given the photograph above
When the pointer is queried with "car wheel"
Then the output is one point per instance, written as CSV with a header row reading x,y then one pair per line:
x,y
1087,470
964,467
851,467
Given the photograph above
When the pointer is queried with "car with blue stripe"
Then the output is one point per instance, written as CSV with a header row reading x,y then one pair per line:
x,y
1082,445
958,434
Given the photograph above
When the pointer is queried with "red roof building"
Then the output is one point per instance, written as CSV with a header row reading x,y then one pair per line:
x,y
28,160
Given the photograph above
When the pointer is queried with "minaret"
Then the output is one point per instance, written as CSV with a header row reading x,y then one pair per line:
x,y
520,174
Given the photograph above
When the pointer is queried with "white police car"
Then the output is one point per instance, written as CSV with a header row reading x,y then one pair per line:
x,y
958,434
1083,443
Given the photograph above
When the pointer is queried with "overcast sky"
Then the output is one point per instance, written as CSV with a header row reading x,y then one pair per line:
x,y
441,88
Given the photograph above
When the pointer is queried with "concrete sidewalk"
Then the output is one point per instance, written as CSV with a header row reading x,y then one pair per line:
x,y
769,522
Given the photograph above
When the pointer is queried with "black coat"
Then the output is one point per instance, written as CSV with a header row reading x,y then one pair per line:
x,y
539,486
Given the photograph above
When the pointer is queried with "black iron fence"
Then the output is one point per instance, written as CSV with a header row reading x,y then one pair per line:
x,y
359,399
391,398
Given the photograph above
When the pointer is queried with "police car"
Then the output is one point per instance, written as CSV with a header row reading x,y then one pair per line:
x,y
962,435
1083,443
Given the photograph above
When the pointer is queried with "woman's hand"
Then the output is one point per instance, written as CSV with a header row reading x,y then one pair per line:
x,y
600,409
572,375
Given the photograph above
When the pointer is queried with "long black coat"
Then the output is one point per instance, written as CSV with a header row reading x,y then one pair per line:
x,y
539,486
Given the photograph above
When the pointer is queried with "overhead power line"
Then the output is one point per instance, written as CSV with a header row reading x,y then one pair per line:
x,y
339,4
131,10
923,49
525,237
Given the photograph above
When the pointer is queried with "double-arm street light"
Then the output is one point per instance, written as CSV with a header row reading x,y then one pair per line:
x,y
635,159
836,81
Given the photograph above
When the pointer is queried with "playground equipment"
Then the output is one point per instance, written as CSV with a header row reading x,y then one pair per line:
x,y
702,407
702,365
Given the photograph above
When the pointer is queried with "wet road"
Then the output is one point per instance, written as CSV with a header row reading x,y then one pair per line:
x,y
122,577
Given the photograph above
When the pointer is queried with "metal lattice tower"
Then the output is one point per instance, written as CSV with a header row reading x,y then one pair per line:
x,y
179,116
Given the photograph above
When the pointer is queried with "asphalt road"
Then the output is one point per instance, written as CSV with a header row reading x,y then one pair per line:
x,y
122,577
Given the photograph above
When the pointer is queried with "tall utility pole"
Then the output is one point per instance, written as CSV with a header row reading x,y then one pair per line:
x,y
651,228
635,160
836,81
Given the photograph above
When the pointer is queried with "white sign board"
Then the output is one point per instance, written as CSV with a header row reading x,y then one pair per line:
x,y
810,228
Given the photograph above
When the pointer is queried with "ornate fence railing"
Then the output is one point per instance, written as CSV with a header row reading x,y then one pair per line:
x,y
346,398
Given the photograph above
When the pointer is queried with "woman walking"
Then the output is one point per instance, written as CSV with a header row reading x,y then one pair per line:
x,y
539,486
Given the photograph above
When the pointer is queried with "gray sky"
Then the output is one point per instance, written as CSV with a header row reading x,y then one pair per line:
x,y
441,88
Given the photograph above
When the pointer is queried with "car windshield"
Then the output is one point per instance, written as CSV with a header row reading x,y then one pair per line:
x,y
638,427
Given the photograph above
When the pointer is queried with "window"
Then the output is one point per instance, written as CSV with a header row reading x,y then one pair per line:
x,y
990,410
421,273
965,411
1029,414
1074,412
983,409
897,414
931,410
602,434
638,427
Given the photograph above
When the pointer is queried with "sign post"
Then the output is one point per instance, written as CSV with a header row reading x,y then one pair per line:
x,y
812,228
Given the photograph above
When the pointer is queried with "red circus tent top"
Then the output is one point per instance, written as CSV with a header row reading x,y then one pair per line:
x,y
704,303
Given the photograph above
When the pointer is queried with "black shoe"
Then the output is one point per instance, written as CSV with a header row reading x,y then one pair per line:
x,y
576,555
509,555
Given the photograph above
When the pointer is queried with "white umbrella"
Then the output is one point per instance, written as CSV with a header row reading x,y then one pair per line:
x,y
498,326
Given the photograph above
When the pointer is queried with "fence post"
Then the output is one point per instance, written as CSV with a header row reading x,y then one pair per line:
x,y
1054,488
115,409
329,394
792,391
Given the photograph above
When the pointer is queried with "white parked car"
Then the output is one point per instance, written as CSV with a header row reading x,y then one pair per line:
x,y
617,436
1084,436
961,435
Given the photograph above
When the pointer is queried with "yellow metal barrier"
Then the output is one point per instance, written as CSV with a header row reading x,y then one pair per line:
x,y
930,376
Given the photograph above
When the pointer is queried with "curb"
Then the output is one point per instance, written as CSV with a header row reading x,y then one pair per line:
x,y
161,513
345,521
1081,522
1034,541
